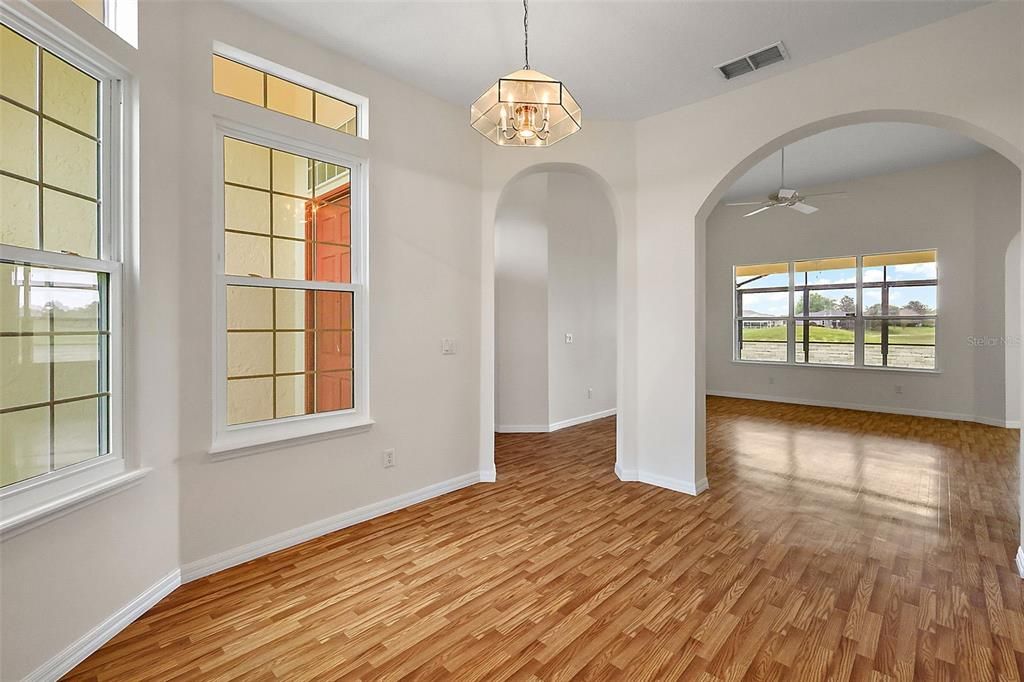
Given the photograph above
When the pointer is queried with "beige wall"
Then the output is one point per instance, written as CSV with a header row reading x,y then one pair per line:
x,y
968,209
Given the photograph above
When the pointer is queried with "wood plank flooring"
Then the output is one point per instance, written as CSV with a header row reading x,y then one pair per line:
x,y
832,545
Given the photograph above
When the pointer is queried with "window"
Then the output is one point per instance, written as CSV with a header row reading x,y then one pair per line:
x,y
870,311
60,268
120,16
293,360
237,80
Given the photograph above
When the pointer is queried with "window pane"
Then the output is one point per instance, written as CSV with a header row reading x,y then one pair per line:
x,y
250,308
290,216
765,304
290,351
291,174
828,342
289,98
334,391
825,302
913,300
291,394
70,95
333,263
18,61
250,400
896,267
76,432
70,224
24,444
907,344
246,254
763,340
246,209
24,370
290,259
237,81
18,141
53,323
246,164
761,276
19,213
336,114
292,310
826,271
250,353
69,160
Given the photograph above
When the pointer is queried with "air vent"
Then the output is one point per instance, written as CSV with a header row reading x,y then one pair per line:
x,y
772,54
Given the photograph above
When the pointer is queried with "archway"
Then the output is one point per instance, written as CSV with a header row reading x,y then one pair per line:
x,y
555,300
952,124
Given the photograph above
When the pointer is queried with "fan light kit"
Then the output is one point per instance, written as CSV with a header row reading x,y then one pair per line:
x,y
786,198
526,108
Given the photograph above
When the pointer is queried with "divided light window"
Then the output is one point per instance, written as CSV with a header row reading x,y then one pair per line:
x,y
290,291
239,81
59,268
869,311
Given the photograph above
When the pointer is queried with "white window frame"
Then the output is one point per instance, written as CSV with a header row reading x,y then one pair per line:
x,y
35,500
860,320
242,439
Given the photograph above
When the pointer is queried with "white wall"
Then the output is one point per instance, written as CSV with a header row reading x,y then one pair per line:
x,y
554,274
968,209
521,305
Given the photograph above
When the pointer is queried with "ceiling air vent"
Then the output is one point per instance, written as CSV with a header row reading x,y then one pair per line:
x,y
753,61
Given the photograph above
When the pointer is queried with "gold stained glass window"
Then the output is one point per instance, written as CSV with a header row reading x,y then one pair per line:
x,y
245,83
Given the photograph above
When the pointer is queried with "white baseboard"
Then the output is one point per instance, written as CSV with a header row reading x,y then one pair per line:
x,y
488,475
253,550
1020,561
86,645
676,484
625,474
884,409
575,421
554,426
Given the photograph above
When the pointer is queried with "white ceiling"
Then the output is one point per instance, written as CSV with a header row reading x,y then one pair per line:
x,y
621,59
856,151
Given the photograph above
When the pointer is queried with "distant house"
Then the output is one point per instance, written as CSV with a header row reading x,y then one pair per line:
x,y
769,321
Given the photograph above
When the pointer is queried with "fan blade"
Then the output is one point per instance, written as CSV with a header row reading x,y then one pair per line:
x,y
756,211
746,203
803,208
825,194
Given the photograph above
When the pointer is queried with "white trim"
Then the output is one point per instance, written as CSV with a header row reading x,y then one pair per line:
x,y
565,423
555,426
331,429
76,499
884,409
1020,561
91,641
676,484
625,474
488,475
239,555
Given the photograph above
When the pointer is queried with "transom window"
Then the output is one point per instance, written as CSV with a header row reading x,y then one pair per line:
x,y
239,81
870,311
59,269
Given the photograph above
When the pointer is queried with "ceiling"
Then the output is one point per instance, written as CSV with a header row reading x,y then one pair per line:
x,y
621,59
851,152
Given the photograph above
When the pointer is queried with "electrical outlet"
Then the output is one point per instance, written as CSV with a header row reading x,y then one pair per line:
x,y
447,346
568,337
899,389
389,458
590,394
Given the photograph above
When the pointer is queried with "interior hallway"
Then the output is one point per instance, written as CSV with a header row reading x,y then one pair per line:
x,y
832,544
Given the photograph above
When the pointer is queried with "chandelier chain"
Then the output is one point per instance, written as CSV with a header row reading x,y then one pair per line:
x,y
526,36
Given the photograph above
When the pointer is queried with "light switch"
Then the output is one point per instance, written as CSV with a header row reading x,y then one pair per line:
x,y
447,346
568,337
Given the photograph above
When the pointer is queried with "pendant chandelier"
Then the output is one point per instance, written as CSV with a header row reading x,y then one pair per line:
x,y
526,108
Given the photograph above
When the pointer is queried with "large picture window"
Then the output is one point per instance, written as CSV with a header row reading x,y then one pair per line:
x,y
60,270
293,289
869,311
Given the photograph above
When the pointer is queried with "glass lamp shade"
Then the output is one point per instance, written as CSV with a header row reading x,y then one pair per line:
x,y
526,109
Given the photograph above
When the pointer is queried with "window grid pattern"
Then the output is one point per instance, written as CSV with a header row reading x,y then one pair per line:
x,y
290,350
872,311
247,84
55,291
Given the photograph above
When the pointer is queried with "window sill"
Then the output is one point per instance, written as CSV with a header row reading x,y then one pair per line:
x,y
44,513
842,368
250,441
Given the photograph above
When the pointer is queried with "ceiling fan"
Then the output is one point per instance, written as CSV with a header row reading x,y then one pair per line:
x,y
788,198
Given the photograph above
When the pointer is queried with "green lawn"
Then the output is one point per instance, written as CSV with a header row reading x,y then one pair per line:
x,y
904,335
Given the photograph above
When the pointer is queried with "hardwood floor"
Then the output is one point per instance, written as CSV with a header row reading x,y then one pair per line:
x,y
832,545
